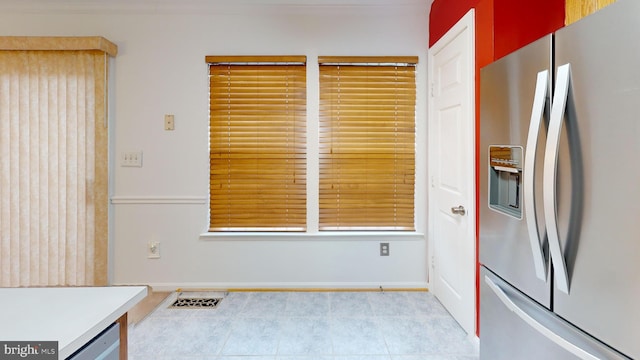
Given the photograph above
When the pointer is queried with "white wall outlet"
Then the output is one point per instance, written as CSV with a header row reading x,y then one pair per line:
x,y
169,123
153,250
131,158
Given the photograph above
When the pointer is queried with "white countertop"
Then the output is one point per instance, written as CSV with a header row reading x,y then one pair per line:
x,y
72,316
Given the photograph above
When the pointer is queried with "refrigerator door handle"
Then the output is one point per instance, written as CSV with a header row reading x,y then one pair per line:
x,y
549,177
536,325
537,112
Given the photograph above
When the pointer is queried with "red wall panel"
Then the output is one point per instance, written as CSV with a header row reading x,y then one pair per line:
x,y
512,24
444,14
518,23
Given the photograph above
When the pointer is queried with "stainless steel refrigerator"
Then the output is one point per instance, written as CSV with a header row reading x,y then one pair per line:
x,y
560,194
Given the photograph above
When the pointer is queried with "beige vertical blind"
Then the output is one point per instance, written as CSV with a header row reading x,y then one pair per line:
x,y
257,143
53,164
367,143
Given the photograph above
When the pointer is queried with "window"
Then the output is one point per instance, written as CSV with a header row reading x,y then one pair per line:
x,y
367,143
257,143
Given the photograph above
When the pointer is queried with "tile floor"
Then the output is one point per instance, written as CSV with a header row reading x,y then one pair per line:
x,y
304,326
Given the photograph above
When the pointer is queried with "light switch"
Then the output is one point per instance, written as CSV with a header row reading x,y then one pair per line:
x,y
131,158
169,123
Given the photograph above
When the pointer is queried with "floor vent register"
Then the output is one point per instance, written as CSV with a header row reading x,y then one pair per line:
x,y
195,303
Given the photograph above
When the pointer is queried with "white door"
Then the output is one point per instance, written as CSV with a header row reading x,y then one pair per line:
x,y
452,172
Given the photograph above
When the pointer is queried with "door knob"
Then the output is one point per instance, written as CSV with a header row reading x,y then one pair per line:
x,y
458,210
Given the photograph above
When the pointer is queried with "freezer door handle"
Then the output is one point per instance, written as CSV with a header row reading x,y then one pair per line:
x,y
549,177
537,112
536,325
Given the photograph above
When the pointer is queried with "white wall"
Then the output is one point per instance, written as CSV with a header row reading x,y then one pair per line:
x,y
160,69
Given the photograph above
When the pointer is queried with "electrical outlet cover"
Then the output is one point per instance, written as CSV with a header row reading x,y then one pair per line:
x,y
384,249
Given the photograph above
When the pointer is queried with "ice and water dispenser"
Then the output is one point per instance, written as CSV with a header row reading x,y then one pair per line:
x,y
505,179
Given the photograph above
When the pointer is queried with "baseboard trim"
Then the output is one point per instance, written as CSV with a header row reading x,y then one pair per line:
x,y
324,289
298,287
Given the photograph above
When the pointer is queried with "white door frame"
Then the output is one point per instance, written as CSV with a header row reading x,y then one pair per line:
x,y
467,23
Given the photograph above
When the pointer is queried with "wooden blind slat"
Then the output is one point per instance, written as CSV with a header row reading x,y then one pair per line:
x,y
367,144
367,59
215,59
257,133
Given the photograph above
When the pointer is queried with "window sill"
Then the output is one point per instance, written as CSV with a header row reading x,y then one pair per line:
x,y
320,236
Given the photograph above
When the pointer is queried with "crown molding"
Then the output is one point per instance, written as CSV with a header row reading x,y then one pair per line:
x,y
189,6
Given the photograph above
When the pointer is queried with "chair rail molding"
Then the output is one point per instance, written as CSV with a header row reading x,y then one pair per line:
x,y
124,200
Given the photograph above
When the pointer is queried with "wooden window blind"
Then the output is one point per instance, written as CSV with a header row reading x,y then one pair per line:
x,y
367,143
257,143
